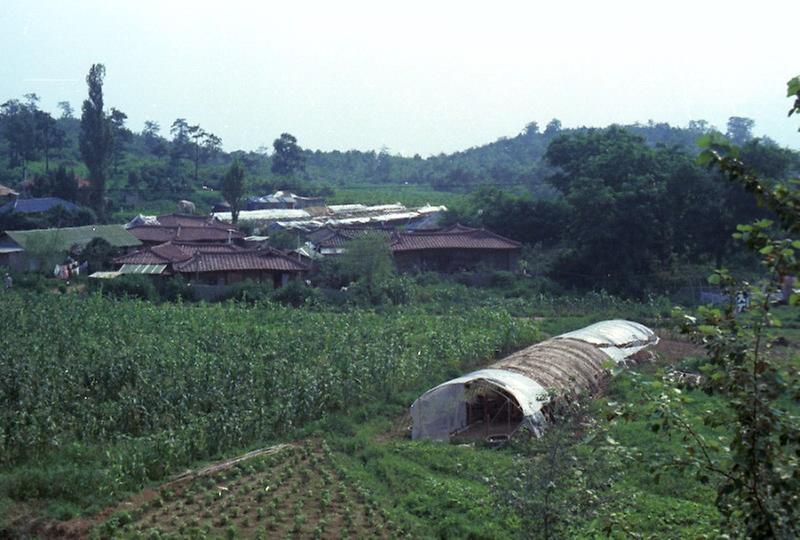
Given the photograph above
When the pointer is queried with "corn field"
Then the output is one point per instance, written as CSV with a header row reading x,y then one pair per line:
x,y
161,386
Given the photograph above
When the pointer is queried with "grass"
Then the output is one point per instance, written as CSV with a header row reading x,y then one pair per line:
x,y
408,194
360,475
356,473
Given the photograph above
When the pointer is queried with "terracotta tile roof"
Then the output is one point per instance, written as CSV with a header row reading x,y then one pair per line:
x,y
340,236
160,233
144,256
171,252
455,237
266,259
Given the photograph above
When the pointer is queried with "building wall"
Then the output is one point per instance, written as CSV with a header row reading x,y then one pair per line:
x,y
16,262
276,279
455,260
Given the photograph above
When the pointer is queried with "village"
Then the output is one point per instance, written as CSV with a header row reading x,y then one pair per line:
x,y
213,253
336,271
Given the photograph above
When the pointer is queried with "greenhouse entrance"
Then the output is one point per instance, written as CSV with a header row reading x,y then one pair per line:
x,y
492,414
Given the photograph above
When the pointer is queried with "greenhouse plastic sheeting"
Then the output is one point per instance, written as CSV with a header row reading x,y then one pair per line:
x,y
441,411
617,338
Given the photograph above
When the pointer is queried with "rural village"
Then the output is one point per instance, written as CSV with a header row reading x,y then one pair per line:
x,y
419,314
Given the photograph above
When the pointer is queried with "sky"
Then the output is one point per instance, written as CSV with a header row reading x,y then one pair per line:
x,y
414,77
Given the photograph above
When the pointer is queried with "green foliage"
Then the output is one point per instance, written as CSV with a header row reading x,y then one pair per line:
x,y
368,262
140,389
755,469
233,189
283,240
563,480
635,211
58,183
128,286
99,254
96,140
56,217
288,157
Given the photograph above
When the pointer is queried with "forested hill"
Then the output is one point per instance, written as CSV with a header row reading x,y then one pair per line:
x,y
177,161
507,161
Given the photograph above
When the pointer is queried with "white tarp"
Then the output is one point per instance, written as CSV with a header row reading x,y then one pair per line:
x,y
442,410
273,214
617,338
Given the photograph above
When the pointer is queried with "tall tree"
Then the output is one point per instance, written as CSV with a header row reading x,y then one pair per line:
x,y
212,144
67,112
19,129
197,134
152,138
740,129
121,134
48,136
180,131
233,189
96,139
288,157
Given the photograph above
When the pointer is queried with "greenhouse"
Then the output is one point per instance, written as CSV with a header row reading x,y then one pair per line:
x,y
514,392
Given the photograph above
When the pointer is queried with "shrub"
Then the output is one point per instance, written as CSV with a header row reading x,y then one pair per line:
x,y
131,286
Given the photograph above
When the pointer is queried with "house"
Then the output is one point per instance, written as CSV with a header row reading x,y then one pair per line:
x,y
446,250
211,263
453,249
35,205
329,240
27,250
155,230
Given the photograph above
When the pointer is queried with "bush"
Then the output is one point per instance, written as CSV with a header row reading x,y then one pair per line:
x,y
130,286
248,291
30,281
296,293
175,288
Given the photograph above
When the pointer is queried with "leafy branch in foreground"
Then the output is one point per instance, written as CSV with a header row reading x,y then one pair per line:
x,y
756,469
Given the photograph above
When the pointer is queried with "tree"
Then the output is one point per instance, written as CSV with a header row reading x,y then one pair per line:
x,y
233,189
67,112
96,139
180,131
196,134
121,135
59,183
552,128
288,157
740,129
368,262
212,145
153,140
757,468
49,136
19,130
619,229
564,479
383,165
99,254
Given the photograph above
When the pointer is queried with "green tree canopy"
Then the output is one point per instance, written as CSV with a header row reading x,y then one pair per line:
x,y
233,189
96,139
288,157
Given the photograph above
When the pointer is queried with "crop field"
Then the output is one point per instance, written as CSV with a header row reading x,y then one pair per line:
x,y
100,398
298,490
105,401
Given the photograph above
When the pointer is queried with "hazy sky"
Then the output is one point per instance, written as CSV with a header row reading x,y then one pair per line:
x,y
417,77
